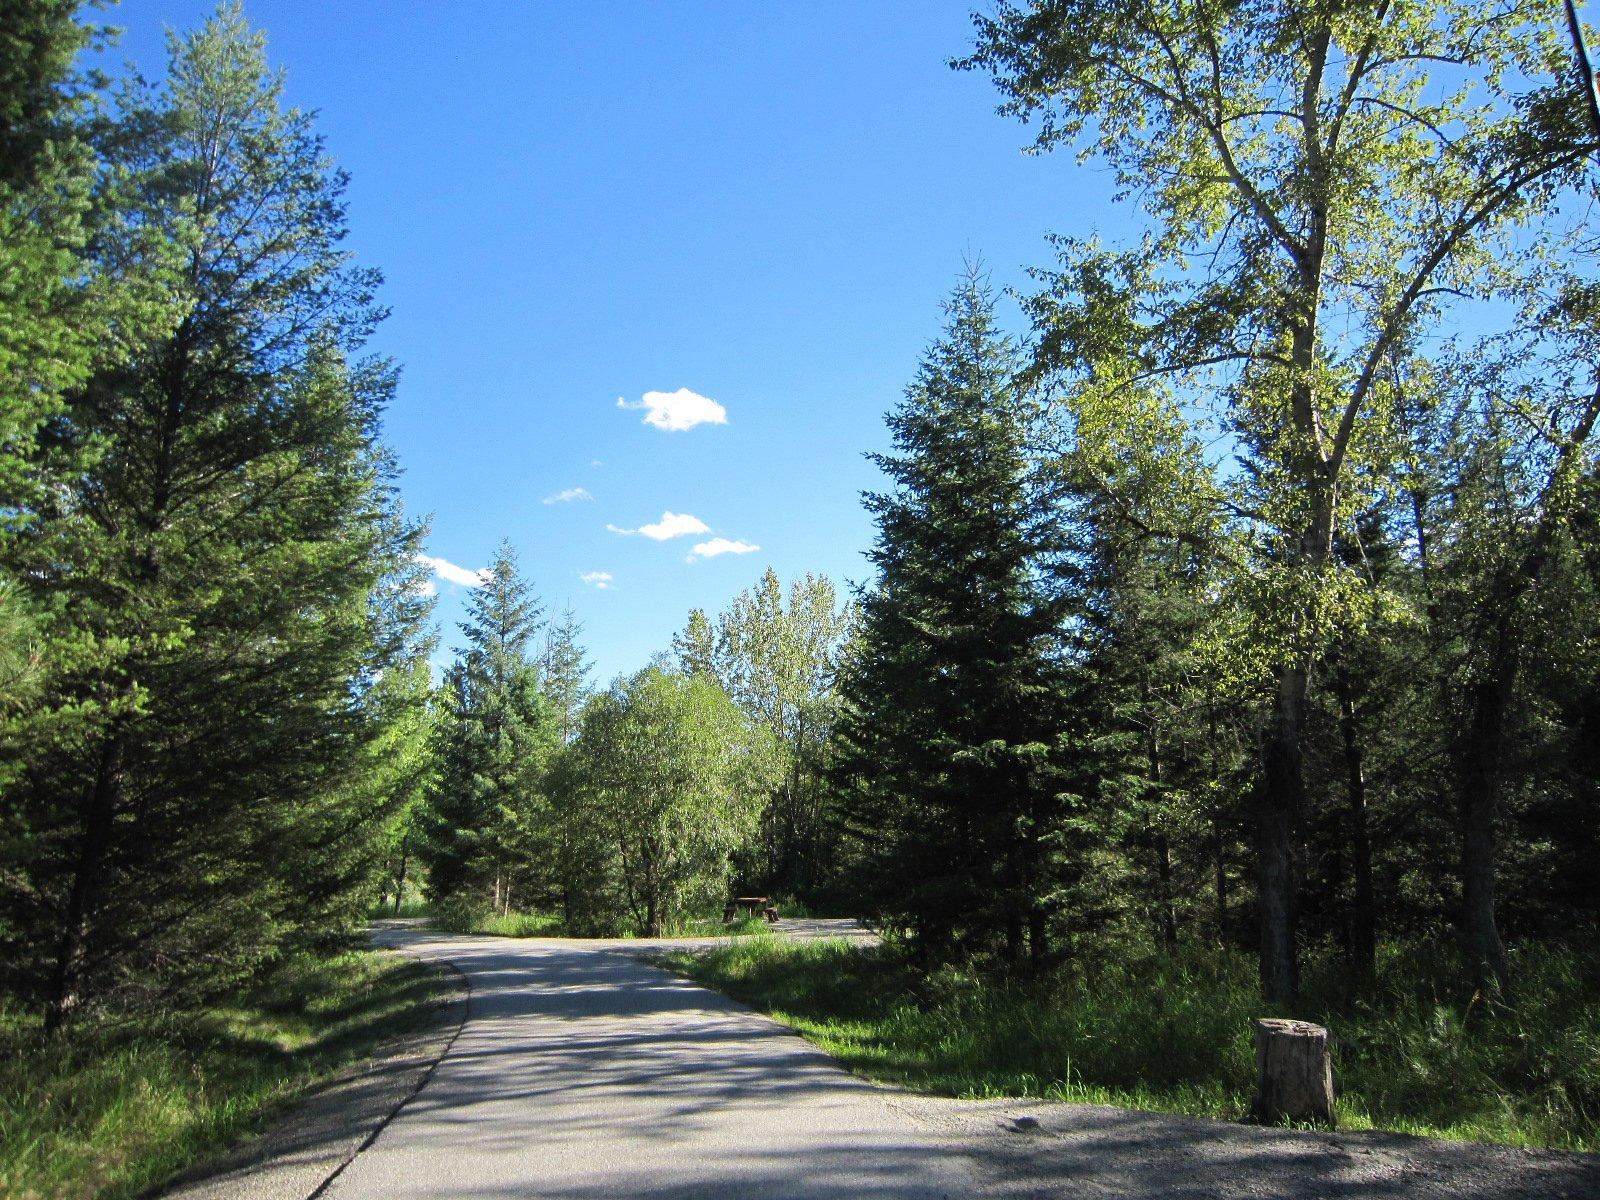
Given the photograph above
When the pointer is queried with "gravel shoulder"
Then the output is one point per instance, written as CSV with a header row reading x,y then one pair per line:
x,y
1024,1148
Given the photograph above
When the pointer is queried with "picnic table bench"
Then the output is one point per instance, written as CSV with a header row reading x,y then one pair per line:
x,y
751,906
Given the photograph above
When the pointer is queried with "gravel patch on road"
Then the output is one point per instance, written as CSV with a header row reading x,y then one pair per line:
x,y
1035,1149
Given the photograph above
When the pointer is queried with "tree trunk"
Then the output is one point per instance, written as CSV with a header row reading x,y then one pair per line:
x,y
94,842
400,876
1220,882
1362,912
1478,797
1218,837
1294,1073
1168,913
1166,918
1038,938
1481,759
1278,803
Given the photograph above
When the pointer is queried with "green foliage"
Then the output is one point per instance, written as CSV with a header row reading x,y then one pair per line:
x,y
779,662
488,823
221,583
114,1113
957,763
1328,191
1172,1033
664,785
460,918
566,674
49,323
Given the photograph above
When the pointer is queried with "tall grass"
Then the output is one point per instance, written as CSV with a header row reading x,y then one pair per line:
x,y
1173,1033
110,1112
463,919
411,906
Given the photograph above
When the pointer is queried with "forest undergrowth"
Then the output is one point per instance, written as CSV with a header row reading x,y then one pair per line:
x,y
119,1108
1172,1032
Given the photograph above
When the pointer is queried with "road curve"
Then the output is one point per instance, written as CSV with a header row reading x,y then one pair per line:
x,y
582,1072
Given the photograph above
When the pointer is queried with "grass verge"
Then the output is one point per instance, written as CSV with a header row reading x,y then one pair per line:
x,y
1172,1034
112,1112
550,925
410,907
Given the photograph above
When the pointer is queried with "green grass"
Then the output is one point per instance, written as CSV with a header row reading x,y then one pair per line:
x,y
550,925
519,924
714,926
409,907
111,1112
1173,1034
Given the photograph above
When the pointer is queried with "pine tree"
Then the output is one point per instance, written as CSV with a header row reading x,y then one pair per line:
x,y
63,307
489,828
696,648
566,674
950,749
217,582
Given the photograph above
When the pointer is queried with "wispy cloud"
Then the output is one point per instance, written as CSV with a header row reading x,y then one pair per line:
x,y
450,573
597,579
568,496
671,525
720,545
679,410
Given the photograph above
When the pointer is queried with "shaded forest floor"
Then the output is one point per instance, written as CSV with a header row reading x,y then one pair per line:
x,y
1415,1054
114,1110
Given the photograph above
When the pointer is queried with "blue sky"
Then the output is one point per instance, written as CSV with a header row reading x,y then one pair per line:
x,y
761,205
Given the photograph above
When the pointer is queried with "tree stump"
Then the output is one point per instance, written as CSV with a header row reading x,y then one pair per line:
x,y
1294,1073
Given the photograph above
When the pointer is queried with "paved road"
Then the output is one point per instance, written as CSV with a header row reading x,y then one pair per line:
x,y
582,1072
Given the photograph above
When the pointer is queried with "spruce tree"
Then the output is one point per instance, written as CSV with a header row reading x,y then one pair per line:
x,y
951,754
198,798
566,674
489,839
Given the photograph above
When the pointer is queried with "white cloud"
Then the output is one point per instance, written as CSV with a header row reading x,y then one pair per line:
x,y
426,587
568,495
682,409
599,579
721,545
671,525
450,573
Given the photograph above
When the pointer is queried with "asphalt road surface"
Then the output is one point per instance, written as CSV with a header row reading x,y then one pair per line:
x,y
581,1071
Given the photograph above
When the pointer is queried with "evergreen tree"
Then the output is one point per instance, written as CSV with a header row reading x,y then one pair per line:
x,y
952,758
218,582
489,824
76,276
48,171
696,648
566,674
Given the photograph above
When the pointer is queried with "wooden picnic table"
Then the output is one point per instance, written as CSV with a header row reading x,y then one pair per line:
x,y
751,905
